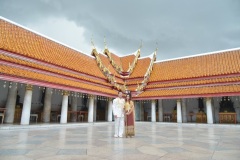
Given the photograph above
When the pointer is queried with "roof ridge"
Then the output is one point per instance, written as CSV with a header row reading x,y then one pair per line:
x,y
130,54
201,54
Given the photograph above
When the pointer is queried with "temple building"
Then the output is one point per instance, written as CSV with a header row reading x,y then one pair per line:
x,y
42,80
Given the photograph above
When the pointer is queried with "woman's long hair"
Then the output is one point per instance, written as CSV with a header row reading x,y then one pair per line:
x,y
130,96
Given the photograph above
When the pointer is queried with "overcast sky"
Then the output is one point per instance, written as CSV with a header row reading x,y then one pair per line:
x,y
179,27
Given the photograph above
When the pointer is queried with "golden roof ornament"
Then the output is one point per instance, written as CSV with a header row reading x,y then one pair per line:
x,y
140,45
93,47
105,43
155,54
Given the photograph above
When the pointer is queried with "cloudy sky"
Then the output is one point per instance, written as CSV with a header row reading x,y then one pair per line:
x,y
177,27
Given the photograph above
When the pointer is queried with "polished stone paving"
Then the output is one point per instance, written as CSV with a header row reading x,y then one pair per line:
x,y
95,141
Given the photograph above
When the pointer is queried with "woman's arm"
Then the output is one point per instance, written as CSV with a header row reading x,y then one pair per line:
x,y
131,108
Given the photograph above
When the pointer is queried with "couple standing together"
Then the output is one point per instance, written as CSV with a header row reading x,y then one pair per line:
x,y
123,111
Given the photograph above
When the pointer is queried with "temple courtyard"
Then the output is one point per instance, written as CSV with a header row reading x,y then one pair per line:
x,y
95,141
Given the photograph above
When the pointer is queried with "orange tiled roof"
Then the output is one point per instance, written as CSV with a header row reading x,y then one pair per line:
x,y
108,65
132,88
141,68
201,66
19,40
126,60
111,69
165,75
9,70
49,69
131,82
195,82
190,91
116,59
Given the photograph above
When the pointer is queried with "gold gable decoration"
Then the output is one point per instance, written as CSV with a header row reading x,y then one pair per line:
x,y
115,66
143,84
132,66
110,77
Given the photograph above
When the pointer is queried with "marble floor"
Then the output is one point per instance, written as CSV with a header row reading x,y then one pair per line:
x,y
95,141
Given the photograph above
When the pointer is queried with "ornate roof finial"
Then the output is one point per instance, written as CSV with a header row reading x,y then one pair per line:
x,y
92,43
140,45
105,43
138,87
156,46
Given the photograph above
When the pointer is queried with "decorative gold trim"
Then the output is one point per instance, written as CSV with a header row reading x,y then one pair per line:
x,y
179,100
91,96
208,98
66,93
110,77
143,84
132,66
93,47
115,66
29,87
105,43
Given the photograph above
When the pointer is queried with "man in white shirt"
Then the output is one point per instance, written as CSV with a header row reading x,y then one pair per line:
x,y
118,112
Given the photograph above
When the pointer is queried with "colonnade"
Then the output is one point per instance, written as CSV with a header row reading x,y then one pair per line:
x,y
181,108
26,110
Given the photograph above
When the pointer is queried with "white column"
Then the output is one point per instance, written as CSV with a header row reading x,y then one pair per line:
x,y
110,110
27,105
209,111
90,109
47,105
74,107
95,110
11,103
160,110
64,110
153,116
184,110
179,111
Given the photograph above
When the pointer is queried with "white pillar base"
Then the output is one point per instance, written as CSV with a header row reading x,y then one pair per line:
x,y
179,111
110,111
47,105
90,109
160,110
64,111
153,111
26,106
209,111
11,103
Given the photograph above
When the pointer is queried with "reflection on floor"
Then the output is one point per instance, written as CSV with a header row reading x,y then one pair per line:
x,y
96,141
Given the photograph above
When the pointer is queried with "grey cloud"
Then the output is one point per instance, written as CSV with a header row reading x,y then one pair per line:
x,y
180,27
